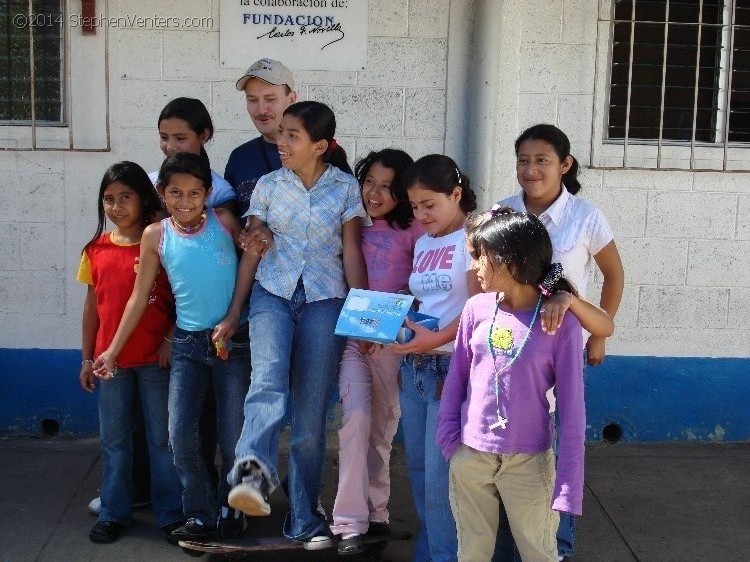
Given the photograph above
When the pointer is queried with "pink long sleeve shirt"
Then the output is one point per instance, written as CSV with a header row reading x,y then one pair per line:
x,y
468,406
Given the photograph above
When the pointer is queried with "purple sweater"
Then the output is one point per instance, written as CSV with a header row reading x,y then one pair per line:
x,y
468,406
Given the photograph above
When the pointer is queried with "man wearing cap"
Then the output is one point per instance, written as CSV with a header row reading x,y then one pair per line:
x,y
269,90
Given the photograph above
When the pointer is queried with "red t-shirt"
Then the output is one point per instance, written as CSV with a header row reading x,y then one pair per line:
x,y
111,269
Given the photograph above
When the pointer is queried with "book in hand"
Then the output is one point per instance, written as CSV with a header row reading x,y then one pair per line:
x,y
379,317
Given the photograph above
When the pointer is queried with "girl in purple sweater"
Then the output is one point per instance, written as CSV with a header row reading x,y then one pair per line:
x,y
494,424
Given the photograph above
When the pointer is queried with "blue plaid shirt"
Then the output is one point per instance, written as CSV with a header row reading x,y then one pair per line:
x,y
307,229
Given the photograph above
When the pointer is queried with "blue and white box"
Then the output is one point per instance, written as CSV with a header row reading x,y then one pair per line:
x,y
373,316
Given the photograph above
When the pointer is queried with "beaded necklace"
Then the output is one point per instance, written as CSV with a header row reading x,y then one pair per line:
x,y
506,344
188,229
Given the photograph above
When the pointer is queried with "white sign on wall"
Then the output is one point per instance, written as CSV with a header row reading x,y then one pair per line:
x,y
303,34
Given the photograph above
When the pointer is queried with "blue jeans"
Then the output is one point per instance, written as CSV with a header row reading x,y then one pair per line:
x,y
294,350
194,366
422,378
117,407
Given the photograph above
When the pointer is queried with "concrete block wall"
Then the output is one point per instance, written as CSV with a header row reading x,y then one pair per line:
x,y
684,237
49,210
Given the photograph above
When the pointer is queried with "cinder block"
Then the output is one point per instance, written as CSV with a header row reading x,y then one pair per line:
x,y
194,55
536,108
388,18
691,215
165,9
138,145
625,210
574,116
43,162
647,179
42,246
32,292
325,77
428,18
743,218
425,113
143,100
627,314
680,342
33,198
363,111
541,20
579,21
10,257
229,108
405,62
683,307
720,263
139,53
722,181
416,148
739,308
653,261
557,68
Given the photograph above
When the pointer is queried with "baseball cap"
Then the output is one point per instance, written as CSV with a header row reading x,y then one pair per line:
x,y
268,70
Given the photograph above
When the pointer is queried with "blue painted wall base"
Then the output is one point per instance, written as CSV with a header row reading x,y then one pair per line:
x,y
648,398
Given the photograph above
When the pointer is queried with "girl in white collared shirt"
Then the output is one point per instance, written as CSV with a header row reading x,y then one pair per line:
x,y
547,174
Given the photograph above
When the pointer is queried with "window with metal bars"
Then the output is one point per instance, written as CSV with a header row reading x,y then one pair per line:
x,y
31,62
680,71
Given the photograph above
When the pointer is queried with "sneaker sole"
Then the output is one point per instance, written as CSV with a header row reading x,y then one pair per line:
x,y
317,545
248,502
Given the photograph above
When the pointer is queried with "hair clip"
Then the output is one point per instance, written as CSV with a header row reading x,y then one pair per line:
x,y
554,274
332,145
458,175
495,211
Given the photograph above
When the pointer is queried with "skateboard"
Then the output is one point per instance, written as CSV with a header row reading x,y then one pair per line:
x,y
374,545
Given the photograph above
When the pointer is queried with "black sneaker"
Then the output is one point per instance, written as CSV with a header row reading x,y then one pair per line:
x,y
106,531
378,529
230,524
251,495
319,541
351,545
168,529
194,530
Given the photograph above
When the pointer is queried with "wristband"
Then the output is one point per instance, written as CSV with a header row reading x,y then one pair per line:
x,y
170,341
87,361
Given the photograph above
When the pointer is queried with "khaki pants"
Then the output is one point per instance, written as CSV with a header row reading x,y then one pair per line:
x,y
524,483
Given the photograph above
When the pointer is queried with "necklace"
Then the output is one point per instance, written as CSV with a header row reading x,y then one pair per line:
x,y
188,229
503,339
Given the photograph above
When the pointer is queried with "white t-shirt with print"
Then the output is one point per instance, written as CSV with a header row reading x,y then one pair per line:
x,y
578,229
438,278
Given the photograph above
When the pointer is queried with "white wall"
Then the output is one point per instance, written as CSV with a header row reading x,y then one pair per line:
x,y
464,77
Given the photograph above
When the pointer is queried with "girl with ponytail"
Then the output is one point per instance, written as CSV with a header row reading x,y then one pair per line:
x,y
493,424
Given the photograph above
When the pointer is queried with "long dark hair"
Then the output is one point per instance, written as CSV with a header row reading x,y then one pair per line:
x,y
135,177
194,113
398,161
184,163
440,174
519,240
320,123
560,143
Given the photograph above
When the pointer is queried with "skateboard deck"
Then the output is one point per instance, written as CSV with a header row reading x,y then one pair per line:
x,y
259,544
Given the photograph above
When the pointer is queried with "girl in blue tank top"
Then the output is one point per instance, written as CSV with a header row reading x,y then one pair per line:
x,y
195,247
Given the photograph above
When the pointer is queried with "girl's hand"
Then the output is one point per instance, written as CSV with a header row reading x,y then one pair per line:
x,y
256,240
595,350
87,377
366,347
225,329
553,310
165,353
423,341
104,366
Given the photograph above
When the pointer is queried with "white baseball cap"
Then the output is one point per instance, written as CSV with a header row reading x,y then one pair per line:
x,y
268,70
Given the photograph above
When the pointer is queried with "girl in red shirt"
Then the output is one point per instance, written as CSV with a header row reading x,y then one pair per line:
x,y
109,264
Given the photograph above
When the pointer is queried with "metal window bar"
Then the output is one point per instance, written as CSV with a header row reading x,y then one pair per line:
x,y
67,92
725,68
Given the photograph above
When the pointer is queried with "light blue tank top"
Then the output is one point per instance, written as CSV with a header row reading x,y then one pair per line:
x,y
202,268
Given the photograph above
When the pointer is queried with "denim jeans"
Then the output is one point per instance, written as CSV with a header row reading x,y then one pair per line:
x,y
194,366
117,406
294,352
422,378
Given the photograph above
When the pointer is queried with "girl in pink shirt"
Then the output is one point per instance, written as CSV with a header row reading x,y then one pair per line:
x,y
368,384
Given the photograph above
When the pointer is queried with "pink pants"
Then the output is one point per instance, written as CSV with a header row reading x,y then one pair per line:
x,y
368,388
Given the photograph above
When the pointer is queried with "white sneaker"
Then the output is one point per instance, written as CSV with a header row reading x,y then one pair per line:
x,y
251,495
95,506
318,542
